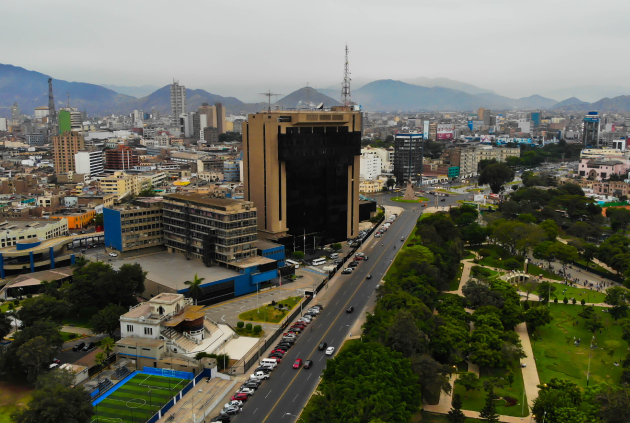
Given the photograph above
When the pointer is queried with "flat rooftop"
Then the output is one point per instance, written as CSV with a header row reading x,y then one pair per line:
x,y
223,204
173,270
266,245
20,225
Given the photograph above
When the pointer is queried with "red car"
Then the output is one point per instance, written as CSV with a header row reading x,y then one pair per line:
x,y
278,351
297,364
298,326
240,397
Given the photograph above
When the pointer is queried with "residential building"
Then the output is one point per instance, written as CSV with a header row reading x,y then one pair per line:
x,y
591,129
14,231
36,140
65,146
211,135
121,158
134,226
232,170
122,185
371,186
301,171
408,157
77,218
178,102
209,229
370,165
615,189
89,162
602,169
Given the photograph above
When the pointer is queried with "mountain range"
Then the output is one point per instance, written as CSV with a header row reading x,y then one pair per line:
x,y
30,90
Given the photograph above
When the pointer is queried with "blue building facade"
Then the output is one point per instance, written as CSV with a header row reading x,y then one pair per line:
x,y
112,222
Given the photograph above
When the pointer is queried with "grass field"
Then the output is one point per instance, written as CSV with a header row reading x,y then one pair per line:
x,y
401,200
138,399
80,319
268,313
476,399
454,284
12,397
426,417
557,356
532,269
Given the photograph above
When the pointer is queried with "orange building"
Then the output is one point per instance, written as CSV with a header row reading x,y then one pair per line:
x,y
76,219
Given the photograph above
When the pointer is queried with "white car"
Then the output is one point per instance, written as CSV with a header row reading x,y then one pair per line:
x,y
347,270
259,376
330,350
247,391
234,403
113,255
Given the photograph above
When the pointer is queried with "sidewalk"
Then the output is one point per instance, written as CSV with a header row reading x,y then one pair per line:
x,y
530,372
77,330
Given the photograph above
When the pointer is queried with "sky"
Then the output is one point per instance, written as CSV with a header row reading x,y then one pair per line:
x,y
242,48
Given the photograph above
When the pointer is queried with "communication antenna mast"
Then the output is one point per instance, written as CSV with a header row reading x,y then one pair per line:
x,y
52,113
68,106
268,95
346,98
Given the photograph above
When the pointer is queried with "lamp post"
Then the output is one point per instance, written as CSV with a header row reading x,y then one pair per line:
x,y
293,415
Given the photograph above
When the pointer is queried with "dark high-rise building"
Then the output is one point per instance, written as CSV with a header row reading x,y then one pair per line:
x,y
301,170
408,157
590,132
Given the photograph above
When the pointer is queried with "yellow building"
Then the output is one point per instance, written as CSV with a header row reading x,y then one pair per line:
x,y
371,186
77,219
123,186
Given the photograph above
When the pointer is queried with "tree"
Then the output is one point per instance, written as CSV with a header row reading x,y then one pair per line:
x,y
40,308
545,291
5,325
542,252
298,255
194,288
469,380
80,261
404,336
336,246
594,323
485,163
56,400
433,376
456,415
489,410
510,377
390,183
619,218
558,400
107,320
496,175
50,289
474,234
537,317
551,229
479,294
529,287
108,345
564,253
614,404
100,359
36,354
147,192
618,297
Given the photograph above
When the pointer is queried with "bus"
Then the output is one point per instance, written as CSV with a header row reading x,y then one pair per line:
x,y
319,261
295,264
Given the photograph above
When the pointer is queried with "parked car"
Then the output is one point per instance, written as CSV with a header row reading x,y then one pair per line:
x,y
322,346
223,418
234,403
230,411
240,396
308,364
330,350
353,264
297,364
259,375
112,254
244,390
347,271
88,346
79,346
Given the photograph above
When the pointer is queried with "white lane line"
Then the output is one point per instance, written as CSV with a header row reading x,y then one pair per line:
x,y
284,373
344,293
337,302
256,409
320,358
266,395
296,397
309,376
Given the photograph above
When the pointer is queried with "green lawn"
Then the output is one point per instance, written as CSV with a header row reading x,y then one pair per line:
x,y
468,255
557,356
12,397
269,313
578,293
476,399
532,269
426,417
454,284
250,333
132,402
497,257
5,306
81,318
402,200
67,336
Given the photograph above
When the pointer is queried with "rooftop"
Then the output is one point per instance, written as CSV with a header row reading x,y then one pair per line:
x,y
20,225
266,245
223,204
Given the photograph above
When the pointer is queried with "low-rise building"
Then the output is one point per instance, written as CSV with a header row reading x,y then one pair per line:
x,y
77,218
134,226
371,186
121,185
602,169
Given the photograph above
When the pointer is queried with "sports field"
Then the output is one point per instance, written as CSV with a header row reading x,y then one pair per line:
x,y
138,399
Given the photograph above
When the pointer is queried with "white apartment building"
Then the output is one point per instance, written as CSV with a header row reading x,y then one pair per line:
x,y
89,162
178,102
370,165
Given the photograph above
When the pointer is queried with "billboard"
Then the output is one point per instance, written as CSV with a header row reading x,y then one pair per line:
x,y
426,129
445,131
470,124
445,136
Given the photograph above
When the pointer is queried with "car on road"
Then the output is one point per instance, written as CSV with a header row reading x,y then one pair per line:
x,y
330,350
250,384
234,403
244,390
308,364
297,364
443,199
322,346
113,255
88,346
275,355
347,271
353,264
259,375
368,276
230,411
263,369
338,261
350,309
240,396
79,346
223,418
56,361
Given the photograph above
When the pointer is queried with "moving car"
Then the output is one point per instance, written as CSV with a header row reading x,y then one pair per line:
x,y
308,364
322,346
368,277
113,255
330,350
297,364
88,346
350,309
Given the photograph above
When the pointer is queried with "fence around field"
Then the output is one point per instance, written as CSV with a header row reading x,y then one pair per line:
x,y
257,351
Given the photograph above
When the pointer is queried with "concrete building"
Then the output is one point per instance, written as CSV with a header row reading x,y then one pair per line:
x,y
370,166
232,170
615,189
178,102
602,169
301,170
371,186
122,185
77,218
408,157
134,226
89,162
36,140
3,124
121,158
220,117
31,255
467,158
65,146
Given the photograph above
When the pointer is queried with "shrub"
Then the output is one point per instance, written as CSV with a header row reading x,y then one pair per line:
x,y
574,301
525,305
240,325
29,295
72,335
485,252
248,327
16,302
555,300
257,329
565,300
511,264
11,307
583,301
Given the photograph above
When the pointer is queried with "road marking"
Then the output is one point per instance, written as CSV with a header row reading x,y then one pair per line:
x,y
256,409
295,397
222,318
400,227
284,373
266,395
320,358
337,302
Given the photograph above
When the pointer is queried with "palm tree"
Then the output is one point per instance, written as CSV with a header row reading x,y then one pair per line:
x,y
100,359
107,345
195,291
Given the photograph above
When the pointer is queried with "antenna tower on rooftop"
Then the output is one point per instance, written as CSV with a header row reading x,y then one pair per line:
x,y
52,112
268,95
346,98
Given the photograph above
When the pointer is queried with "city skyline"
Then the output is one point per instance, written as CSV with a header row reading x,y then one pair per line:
x,y
516,50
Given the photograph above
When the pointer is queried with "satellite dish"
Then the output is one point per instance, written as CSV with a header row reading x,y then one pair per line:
x,y
320,106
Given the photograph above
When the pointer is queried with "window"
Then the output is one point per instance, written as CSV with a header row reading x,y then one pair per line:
x,y
129,328
148,331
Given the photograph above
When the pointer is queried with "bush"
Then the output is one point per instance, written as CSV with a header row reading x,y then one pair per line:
x,y
257,329
240,325
480,271
72,335
11,307
298,255
574,301
555,300
525,305
29,295
485,252
248,327
565,300
583,301
511,264
16,302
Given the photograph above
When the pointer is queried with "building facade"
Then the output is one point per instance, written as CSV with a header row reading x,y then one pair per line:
x,y
65,146
121,158
408,157
89,162
134,226
122,185
301,170
371,165
178,102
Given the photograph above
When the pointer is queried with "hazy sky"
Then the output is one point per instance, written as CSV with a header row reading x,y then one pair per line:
x,y
242,47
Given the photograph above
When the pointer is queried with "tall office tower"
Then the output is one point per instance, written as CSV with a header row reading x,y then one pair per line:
x,y
65,123
301,170
590,132
15,114
65,146
408,158
178,101
210,112
121,158
220,117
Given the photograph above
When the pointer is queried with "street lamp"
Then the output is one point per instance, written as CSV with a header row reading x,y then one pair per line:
x,y
293,415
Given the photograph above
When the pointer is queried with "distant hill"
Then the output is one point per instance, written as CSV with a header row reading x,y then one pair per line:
x,y
569,104
137,92
30,90
447,83
304,98
589,92
617,104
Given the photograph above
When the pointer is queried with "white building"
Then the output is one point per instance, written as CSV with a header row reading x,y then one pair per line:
x,y
3,124
178,101
89,162
370,165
